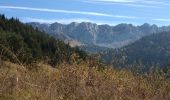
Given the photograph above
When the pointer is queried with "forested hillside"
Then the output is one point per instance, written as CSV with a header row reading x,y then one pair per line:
x,y
24,44
150,51
36,66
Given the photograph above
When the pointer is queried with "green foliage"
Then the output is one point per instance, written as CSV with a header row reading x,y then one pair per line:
x,y
152,50
30,45
11,43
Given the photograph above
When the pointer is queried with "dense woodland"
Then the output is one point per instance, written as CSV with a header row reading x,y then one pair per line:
x,y
147,53
28,45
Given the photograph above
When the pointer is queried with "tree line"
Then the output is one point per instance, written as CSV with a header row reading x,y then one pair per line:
x,y
29,45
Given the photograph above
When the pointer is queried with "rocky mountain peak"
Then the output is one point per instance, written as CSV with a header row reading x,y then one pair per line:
x,y
90,33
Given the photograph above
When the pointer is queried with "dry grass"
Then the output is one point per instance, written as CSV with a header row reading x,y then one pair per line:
x,y
79,82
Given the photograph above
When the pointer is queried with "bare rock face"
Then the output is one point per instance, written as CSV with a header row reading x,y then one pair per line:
x,y
93,34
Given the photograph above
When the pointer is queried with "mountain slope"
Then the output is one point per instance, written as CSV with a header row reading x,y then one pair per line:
x,y
99,35
70,82
28,45
153,50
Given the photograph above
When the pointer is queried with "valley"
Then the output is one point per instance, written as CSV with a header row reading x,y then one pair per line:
x,y
36,65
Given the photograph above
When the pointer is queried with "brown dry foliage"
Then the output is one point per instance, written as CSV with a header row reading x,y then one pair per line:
x,y
79,82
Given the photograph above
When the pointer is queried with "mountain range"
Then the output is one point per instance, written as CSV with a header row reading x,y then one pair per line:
x,y
123,45
89,34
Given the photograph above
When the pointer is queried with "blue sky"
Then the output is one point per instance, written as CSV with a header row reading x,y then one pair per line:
x,y
110,12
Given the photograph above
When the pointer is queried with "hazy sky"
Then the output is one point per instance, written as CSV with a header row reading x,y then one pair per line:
x,y
98,11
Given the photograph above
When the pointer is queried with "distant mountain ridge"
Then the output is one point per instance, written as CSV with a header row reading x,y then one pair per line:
x,y
86,33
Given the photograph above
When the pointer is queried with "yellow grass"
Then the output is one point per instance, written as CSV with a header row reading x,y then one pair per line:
x,y
78,82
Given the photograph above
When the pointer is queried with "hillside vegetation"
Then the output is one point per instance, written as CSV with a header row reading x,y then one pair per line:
x,y
28,45
79,82
149,52
35,66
